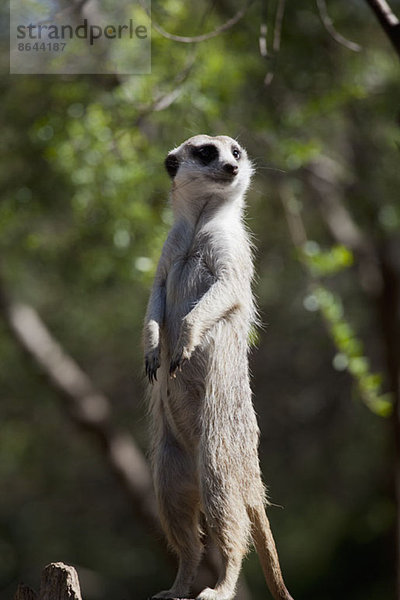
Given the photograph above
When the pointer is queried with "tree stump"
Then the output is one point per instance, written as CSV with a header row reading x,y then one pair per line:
x,y
59,582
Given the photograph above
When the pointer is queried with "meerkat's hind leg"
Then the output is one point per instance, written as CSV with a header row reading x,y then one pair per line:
x,y
229,525
189,555
184,578
178,499
225,588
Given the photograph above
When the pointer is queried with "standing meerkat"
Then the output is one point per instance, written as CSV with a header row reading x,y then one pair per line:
x,y
196,334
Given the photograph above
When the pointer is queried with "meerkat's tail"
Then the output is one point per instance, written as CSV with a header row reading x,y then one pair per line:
x,y
264,543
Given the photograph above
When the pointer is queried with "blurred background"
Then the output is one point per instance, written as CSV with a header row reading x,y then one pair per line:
x,y
83,215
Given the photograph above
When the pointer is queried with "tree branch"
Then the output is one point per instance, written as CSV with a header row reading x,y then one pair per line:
x,y
280,11
276,42
263,37
87,407
163,101
205,36
388,20
328,24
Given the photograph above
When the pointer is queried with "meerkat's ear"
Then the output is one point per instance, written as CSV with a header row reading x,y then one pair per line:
x,y
172,164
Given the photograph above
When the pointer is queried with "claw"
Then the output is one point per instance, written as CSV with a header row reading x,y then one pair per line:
x,y
176,365
151,366
172,369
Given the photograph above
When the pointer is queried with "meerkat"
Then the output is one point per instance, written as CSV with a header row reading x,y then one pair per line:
x,y
196,337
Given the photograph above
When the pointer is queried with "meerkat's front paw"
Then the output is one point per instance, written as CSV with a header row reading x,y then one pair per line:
x,y
179,357
152,363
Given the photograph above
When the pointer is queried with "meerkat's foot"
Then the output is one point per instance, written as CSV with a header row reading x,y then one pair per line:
x,y
165,595
170,595
210,594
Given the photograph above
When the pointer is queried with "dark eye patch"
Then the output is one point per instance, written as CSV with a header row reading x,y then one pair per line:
x,y
205,154
172,165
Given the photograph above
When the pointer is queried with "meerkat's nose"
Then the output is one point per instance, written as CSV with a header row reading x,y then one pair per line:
x,y
231,169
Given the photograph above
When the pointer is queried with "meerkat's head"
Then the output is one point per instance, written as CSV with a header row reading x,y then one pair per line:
x,y
205,165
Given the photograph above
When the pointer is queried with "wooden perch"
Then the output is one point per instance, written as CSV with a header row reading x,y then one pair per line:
x,y
59,582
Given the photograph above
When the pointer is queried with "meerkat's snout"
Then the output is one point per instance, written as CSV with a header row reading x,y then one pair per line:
x,y
230,169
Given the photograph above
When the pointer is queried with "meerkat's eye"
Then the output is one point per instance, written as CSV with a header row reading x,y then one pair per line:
x,y
236,153
206,154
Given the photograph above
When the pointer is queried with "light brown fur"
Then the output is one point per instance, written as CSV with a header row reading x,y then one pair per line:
x,y
205,433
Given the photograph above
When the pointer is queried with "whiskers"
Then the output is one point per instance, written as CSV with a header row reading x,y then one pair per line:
x,y
260,165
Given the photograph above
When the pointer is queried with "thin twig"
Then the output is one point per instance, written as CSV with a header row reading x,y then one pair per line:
x,y
328,24
276,43
204,37
163,101
263,37
280,11
262,40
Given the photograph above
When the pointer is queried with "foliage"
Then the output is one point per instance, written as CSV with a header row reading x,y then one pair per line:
x,y
350,352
